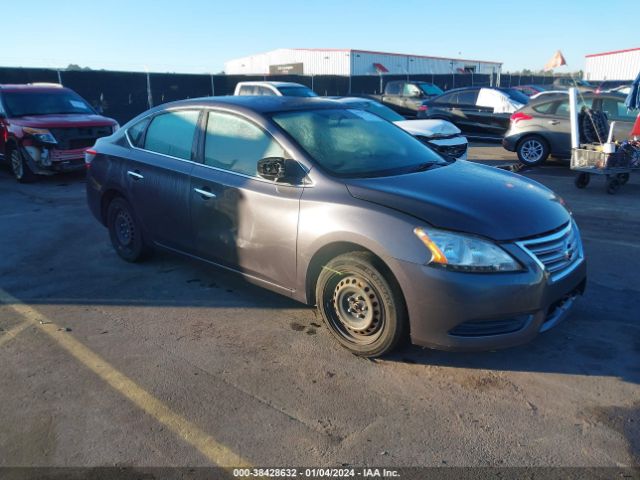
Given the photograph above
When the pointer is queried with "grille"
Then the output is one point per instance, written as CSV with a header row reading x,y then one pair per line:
x,y
490,327
453,151
558,253
79,137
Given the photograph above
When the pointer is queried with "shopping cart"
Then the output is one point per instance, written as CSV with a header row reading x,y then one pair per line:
x,y
616,167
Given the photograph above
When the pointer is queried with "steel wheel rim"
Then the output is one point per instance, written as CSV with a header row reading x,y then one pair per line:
x,y
356,310
16,165
532,150
124,228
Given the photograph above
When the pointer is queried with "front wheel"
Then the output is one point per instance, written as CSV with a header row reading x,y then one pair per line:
x,y
125,232
532,151
20,168
362,308
582,180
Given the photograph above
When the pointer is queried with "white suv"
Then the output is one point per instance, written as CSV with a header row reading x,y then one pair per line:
x,y
278,89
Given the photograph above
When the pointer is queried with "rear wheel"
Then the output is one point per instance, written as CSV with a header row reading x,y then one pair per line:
x,y
623,178
532,150
612,186
362,308
20,168
125,232
582,180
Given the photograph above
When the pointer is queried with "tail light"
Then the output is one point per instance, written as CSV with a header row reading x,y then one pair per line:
x,y
518,116
89,155
423,108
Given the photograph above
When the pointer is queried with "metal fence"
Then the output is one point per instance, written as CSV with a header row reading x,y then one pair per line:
x,y
123,95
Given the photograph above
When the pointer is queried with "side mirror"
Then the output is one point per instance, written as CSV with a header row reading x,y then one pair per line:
x,y
417,94
272,168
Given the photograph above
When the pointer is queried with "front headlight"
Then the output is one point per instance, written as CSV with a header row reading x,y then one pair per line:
x,y
41,134
456,251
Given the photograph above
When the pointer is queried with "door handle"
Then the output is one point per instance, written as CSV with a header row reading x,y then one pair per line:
x,y
553,122
206,194
136,175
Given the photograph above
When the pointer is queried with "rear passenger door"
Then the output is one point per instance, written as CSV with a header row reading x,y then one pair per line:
x,y
157,177
240,220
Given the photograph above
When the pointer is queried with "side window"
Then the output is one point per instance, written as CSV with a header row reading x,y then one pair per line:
x,y
410,90
617,110
468,97
393,88
562,109
136,132
247,90
2,110
447,98
543,107
235,144
172,133
265,91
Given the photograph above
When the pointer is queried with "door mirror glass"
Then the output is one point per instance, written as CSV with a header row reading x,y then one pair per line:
x,y
272,168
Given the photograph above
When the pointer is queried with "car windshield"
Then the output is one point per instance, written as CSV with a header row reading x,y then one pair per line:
x,y
19,104
382,111
356,143
430,89
297,92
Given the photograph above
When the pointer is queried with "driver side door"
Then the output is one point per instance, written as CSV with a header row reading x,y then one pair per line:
x,y
240,220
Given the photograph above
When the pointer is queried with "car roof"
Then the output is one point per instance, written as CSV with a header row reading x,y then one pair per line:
x,y
32,87
260,104
274,84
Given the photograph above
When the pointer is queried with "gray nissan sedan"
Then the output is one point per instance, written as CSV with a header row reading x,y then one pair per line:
x,y
336,207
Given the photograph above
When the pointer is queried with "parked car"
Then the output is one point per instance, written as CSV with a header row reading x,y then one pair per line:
x,y
407,97
442,136
335,207
278,89
477,111
564,83
542,128
530,90
548,92
612,85
45,128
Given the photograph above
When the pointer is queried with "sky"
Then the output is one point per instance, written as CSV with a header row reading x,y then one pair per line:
x,y
198,36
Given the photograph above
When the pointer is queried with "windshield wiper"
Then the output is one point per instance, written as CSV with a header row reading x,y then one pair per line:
x,y
424,166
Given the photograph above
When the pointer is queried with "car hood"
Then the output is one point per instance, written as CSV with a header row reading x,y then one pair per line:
x,y
63,120
468,197
429,128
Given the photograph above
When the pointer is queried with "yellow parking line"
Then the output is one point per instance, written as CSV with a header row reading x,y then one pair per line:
x,y
13,332
214,451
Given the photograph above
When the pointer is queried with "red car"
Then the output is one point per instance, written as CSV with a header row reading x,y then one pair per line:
x,y
46,128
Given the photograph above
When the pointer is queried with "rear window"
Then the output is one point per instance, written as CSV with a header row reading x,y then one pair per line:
x,y
172,133
297,92
430,89
468,97
20,104
516,95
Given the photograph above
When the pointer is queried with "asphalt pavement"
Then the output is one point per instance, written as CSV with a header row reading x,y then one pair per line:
x,y
174,363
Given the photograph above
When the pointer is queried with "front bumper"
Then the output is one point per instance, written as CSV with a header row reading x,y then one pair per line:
x,y
44,161
454,147
451,310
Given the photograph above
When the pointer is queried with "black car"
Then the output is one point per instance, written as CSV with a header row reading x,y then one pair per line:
x,y
542,128
477,111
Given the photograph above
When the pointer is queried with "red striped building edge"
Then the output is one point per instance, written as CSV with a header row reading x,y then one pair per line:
x,y
612,52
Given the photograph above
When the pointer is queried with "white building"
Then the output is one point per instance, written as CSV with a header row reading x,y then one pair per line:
x,y
305,61
617,65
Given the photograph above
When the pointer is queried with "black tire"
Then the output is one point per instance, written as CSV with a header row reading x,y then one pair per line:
x,y
623,178
532,150
582,180
612,186
362,307
20,168
125,232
